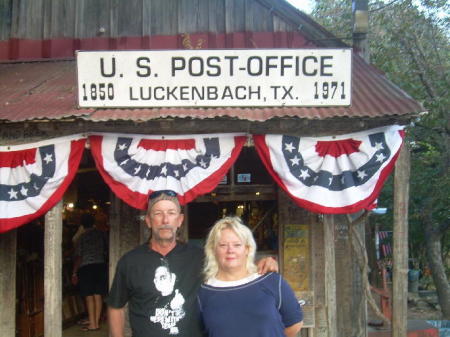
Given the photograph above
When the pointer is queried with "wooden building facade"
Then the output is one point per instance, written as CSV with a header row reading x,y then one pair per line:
x,y
38,40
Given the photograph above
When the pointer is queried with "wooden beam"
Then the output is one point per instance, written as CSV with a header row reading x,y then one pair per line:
x,y
330,275
8,250
53,272
400,254
20,132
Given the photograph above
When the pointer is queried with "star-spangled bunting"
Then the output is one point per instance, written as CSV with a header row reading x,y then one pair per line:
x,y
340,174
34,177
135,165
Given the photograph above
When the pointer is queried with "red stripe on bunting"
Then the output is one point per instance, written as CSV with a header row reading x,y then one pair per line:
x,y
167,144
14,159
77,148
337,148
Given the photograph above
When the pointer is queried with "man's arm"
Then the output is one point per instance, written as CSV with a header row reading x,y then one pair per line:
x,y
116,319
267,265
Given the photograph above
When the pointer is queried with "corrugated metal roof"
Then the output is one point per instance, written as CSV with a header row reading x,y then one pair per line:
x,y
48,90
38,90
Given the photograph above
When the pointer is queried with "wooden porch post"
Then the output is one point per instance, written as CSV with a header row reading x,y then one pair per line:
x,y
330,274
114,236
8,250
400,254
125,233
53,272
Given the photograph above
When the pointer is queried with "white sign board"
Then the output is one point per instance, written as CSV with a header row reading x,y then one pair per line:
x,y
214,78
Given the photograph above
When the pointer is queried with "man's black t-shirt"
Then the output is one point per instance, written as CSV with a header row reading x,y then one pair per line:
x,y
161,290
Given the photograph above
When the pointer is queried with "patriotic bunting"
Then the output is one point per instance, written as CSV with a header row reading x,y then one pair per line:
x,y
34,177
339,174
135,165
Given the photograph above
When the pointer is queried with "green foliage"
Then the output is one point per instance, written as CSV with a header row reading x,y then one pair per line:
x,y
327,12
409,41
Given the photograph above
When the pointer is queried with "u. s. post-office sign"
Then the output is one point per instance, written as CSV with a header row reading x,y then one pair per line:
x,y
214,78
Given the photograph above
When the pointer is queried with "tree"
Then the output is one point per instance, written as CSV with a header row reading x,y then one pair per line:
x,y
409,41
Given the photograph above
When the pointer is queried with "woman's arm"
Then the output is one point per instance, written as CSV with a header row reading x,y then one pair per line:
x,y
292,331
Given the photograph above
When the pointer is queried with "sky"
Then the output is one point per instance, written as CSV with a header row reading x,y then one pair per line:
x,y
307,6
304,5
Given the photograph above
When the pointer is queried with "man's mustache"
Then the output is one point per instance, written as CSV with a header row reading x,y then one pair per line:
x,y
165,227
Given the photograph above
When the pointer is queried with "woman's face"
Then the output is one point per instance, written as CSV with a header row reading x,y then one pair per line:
x,y
231,252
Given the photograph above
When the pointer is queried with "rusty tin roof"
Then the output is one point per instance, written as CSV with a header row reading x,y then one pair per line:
x,y
48,90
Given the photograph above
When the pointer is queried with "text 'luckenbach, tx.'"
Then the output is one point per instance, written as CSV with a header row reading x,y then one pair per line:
x,y
251,77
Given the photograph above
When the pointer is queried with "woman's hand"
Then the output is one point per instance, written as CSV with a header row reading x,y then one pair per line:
x,y
267,265
74,279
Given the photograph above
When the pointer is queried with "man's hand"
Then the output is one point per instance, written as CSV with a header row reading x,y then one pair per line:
x,y
267,265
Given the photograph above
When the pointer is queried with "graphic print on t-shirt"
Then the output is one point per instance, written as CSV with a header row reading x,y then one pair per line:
x,y
169,307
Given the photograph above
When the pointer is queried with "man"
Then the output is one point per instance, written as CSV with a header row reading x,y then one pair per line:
x,y
160,279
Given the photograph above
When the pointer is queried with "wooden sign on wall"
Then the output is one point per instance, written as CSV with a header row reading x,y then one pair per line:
x,y
296,268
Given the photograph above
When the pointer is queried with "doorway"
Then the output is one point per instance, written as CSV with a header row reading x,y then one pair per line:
x,y
247,191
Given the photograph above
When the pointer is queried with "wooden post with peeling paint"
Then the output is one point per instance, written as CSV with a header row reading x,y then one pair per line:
x,y
8,253
53,272
400,244
330,274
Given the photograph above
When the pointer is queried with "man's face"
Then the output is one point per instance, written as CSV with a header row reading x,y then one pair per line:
x,y
163,220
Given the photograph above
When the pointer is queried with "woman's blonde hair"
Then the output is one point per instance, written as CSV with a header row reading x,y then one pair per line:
x,y
244,233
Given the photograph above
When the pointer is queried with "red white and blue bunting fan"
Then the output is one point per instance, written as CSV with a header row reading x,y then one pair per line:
x,y
34,177
191,165
332,175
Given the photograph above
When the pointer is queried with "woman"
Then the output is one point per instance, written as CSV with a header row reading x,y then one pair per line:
x,y
90,270
235,301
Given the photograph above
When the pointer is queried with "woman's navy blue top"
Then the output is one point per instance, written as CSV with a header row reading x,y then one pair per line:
x,y
260,308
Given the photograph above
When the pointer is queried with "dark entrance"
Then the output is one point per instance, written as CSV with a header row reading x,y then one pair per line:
x,y
247,191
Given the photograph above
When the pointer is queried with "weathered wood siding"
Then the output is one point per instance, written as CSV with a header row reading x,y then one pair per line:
x,y
350,299
54,19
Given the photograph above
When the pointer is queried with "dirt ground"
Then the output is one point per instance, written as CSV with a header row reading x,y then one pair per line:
x,y
420,307
424,306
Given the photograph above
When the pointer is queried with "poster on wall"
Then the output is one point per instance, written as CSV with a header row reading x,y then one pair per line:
x,y
296,256
296,267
